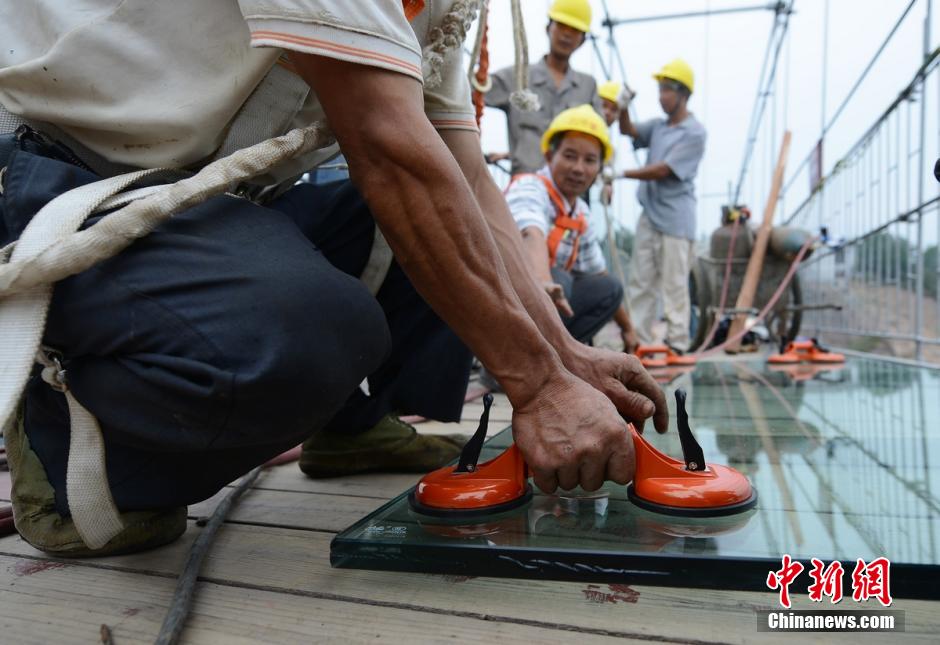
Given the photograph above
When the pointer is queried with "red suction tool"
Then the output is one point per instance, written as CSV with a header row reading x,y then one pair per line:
x,y
691,488
805,350
662,356
470,489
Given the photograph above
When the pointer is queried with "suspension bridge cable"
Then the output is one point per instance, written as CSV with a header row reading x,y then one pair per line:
x,y
848,97
774,43
615,50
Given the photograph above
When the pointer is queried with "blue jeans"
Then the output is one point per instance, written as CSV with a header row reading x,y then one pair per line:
x,y
228,335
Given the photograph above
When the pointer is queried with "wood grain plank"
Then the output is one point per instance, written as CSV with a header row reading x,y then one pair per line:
x,y
310,511
298,562
67,603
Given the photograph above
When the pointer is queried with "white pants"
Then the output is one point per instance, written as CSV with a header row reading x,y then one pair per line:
x,y
660,265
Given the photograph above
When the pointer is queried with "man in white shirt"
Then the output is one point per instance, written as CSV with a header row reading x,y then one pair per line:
x,y
552,217
235,330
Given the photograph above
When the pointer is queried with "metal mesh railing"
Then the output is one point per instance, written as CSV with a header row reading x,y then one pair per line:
x,y
878,213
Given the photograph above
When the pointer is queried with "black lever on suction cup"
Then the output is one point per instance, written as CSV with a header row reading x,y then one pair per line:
x,y
471,451
691,452
819,347
783,345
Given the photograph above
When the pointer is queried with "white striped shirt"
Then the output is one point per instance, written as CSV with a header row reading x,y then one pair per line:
x,y
531,205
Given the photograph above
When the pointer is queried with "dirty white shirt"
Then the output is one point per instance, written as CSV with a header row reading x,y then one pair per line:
x,y
152,84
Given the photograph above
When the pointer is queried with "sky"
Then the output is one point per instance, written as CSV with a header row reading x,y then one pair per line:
x,y
726,52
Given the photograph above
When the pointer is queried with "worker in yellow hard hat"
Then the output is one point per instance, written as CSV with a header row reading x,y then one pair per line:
x,y
551,78
562,250
666,229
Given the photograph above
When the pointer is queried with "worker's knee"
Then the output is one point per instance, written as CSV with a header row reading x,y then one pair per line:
x,y
603,292
326,334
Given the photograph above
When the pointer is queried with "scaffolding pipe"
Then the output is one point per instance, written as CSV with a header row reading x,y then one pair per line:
x,y
615,22
919,299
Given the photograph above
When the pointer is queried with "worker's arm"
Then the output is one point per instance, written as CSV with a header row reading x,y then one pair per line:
x,y
568,432
627,126
627,332
536,252
652,172
620,377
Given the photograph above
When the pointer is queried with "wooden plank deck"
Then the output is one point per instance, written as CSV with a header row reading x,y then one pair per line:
x,y
268,580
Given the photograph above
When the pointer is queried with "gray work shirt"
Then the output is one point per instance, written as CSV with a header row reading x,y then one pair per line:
x,y
670,203
526,128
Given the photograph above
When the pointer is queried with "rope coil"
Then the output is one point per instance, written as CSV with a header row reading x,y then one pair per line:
x,y
523,98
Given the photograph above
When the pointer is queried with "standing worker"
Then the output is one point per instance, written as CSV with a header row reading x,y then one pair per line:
x,y
552,79
665,233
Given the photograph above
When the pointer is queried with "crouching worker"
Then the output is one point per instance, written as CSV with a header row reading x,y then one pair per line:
x,y
562,251
245,323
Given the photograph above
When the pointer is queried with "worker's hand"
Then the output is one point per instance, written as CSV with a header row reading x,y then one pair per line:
x,y
625,97
570,434
557,294
623,379
630,340
607,193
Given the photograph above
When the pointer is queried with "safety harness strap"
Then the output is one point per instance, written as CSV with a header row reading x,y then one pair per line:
x,y
564,223
22,319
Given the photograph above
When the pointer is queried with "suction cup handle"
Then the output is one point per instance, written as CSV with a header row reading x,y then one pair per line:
x,y
470,454
691,452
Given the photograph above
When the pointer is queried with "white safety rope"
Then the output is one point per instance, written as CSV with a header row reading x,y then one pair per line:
x,y
522,97
449,36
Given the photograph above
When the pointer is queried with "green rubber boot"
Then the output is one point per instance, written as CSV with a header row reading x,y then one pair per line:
x,y
39,524
391,445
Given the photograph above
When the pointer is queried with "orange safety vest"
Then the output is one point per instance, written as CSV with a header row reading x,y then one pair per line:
x,y
564,222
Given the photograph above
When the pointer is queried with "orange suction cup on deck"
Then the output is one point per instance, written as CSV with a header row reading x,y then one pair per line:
x,y
691,487
663,356
470,489
810,350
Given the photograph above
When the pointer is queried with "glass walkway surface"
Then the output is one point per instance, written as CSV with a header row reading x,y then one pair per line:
x,y
844,459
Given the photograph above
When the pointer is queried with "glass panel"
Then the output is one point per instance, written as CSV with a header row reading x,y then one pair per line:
x,y
840,457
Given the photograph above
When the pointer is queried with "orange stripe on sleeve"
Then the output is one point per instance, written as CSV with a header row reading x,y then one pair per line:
x,y
470,123
336,47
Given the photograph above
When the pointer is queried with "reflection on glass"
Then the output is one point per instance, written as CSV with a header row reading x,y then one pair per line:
x,y
841,459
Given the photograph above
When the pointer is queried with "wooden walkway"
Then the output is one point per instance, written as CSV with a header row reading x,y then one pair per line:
x,y
268,580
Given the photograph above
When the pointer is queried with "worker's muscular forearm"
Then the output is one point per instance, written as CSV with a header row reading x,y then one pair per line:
x,y
526,259
425,208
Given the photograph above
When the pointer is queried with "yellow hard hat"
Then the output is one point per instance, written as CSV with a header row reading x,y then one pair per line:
x,y
677,70
574,13
610,90
584,119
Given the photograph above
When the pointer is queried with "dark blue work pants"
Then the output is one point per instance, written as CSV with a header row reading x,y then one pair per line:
x,y
231,333
593,298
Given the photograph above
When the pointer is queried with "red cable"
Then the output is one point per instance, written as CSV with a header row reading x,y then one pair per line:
x,y
482,73
770,303
724,288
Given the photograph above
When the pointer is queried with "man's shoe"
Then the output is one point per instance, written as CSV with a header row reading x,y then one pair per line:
x,y
40,524
391,445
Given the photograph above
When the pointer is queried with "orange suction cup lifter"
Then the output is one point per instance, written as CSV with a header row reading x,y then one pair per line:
x,y
648,355
691,451
470,454
689,487
470,489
